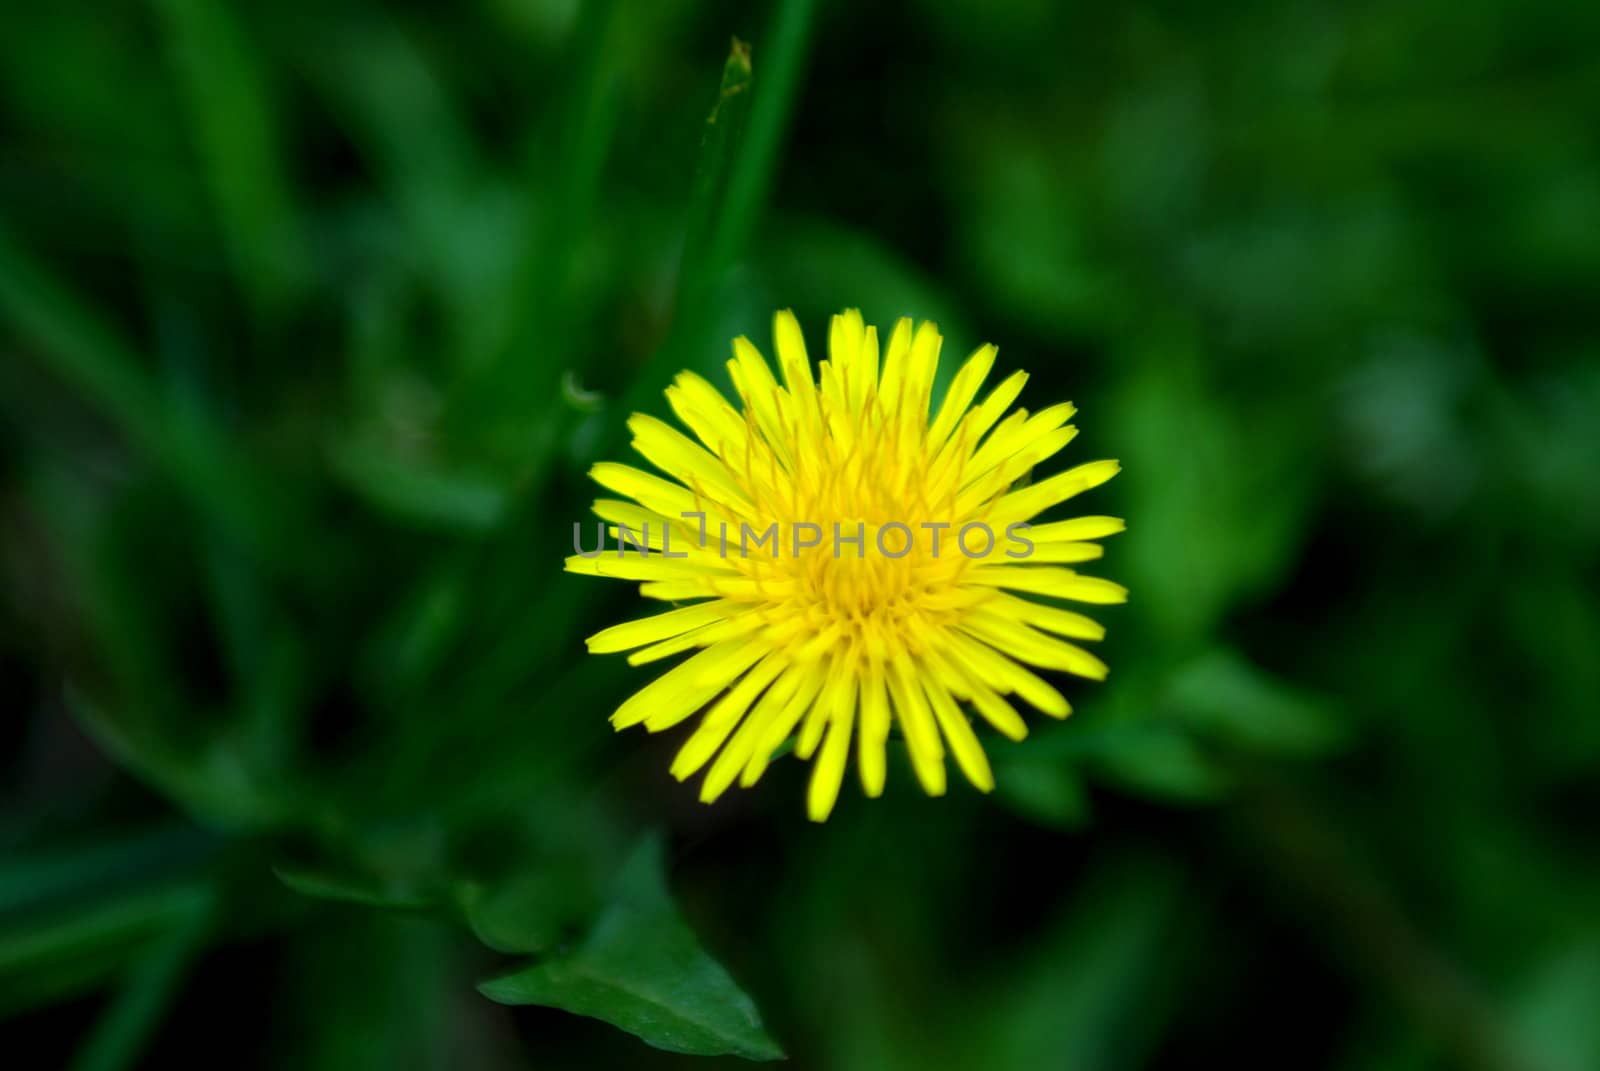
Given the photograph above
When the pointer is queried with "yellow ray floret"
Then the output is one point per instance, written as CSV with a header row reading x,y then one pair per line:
x,y
851,561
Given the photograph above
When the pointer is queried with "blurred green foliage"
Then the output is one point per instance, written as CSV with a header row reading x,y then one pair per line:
x,y
312,317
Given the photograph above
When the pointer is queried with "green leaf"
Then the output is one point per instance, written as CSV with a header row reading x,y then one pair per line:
x,y
350,888
724,128
642,969
751,176
733,177
216,782
524,899
123,1032
1197,462
1159,761
62,874
398,865
75,342
1128,747
232,110
73,912
423,493
527,912
544,299
1047,791
48,956
1223,694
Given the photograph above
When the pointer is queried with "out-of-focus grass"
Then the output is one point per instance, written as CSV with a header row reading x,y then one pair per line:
x,y
313,319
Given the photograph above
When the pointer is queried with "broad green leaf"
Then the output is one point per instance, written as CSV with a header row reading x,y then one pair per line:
x,y
527,912
642,969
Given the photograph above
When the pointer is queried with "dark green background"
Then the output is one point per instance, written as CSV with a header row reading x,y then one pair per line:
x,y
312,317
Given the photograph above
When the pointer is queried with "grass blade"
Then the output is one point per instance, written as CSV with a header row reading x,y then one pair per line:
x,y
70,339
231,109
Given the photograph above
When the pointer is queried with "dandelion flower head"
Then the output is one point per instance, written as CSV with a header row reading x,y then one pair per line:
x,y
848,560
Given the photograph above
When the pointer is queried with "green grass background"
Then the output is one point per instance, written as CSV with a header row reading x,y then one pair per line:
x,y
313,315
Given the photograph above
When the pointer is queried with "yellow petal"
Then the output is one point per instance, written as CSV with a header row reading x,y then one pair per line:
x,y
828,773
759,392
1027,645
791,347
675,454
922,734
626,563
1076,529
892,380
1017,433
871,758
704,636
1049,618
922,364
736,753
660,627
950,674
1031,501
686,687
963,742
1005,676
704,411
652,492
721,719
1060,553
1049,580
963,388
812,679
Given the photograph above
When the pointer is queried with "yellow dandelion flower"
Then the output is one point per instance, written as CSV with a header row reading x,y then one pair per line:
x,y
848,561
